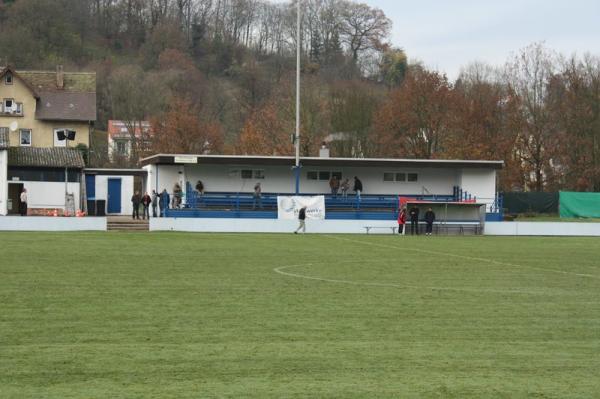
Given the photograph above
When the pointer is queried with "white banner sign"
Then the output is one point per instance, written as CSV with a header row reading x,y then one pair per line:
x,y
185,159
288,207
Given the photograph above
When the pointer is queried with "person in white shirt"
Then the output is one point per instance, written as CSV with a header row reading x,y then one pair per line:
x,y
23,203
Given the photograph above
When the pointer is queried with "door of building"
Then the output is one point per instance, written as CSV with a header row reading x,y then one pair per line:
x,y
14,197
90,186
114,196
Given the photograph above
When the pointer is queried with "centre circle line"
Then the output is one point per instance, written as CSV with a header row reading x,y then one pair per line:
x,y
466,257
280,270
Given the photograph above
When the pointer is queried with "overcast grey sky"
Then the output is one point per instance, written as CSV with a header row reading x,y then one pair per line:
x,y
448,34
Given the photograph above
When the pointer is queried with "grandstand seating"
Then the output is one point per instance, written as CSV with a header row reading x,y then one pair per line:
x,y
241,205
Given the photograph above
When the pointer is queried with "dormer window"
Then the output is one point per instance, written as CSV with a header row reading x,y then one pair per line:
x,y
8,79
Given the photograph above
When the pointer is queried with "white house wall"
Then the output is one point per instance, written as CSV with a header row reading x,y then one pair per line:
x,y
126,191
49,195
480,183
280,179
3,182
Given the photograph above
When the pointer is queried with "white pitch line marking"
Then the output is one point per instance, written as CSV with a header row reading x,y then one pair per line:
x,y
466,257
280,270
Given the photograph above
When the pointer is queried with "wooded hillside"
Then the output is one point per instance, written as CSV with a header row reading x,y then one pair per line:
x,y
218,76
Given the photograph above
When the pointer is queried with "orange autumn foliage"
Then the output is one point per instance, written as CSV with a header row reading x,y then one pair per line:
x,y
180,130
266,133
415,120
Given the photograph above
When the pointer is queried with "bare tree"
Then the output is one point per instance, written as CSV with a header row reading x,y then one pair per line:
x,y
364,28
529,74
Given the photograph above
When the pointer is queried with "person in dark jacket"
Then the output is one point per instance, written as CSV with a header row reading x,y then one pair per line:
x,y
429,219
414,220
136,199
177,195
302,220
257,197
163,202
200,187
146,201
358,187
334,185
154,203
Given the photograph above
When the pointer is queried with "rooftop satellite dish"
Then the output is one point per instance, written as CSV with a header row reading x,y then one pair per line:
x,y
14,126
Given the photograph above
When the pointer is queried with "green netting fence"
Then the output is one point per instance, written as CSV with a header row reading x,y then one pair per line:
x,y
531,202
579,205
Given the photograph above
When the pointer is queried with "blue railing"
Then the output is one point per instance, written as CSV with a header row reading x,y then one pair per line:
x,y
496,211
245,201
247,214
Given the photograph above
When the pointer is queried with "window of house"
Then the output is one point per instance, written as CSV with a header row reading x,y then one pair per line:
x,y
57,142
259,174
8,79
121,147
7,105
399,177
312,175
42,174
25,137
337,175
246,173
324,175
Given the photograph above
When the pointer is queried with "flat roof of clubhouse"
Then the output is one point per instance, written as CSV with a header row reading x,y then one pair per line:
x,y
182,159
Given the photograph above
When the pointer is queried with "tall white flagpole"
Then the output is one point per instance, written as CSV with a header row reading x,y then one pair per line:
x,y
297,138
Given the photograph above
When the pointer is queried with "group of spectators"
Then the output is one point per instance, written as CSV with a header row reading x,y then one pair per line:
x,y
413,214
336,185
158,201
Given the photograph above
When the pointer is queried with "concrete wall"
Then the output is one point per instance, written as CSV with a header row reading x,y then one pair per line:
x,y
481,183
208,225
49,194
42,132
126,191
3,182
41,223
542,229
280,179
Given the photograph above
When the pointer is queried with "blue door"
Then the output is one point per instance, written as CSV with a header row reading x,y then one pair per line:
x,y
114,196
90,186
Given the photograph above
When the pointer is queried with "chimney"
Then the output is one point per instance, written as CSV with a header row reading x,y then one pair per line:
x,y
60,77
324,151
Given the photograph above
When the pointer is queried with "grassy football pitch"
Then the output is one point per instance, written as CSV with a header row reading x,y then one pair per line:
x,y
173,315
